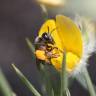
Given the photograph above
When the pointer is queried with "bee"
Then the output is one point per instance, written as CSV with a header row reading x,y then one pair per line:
x,y
46,44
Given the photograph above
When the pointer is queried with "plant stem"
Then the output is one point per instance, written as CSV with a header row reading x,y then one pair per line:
x,y
89,82
64,78
25,81
4,86
30,45
46,81
44,10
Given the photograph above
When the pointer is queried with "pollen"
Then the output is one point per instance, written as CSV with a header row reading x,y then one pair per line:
x,y
40,54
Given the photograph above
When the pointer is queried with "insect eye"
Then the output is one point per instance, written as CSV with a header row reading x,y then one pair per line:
x,y
45,36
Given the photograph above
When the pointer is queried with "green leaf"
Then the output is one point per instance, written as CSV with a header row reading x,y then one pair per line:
x,y
32,48
44,11
89,82
64,78
55,80
4,86
80,78
30,45
25,81
46,81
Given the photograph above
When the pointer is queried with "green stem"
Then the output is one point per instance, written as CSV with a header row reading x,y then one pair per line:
x,y
25,81
30,45
64,79
4,86
44,10
89,82
46,81
68,92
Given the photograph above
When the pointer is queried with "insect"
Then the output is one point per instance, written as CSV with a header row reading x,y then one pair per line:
x,y
46,43
54,37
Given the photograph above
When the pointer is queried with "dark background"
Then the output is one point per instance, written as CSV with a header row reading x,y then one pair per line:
x,y
20,19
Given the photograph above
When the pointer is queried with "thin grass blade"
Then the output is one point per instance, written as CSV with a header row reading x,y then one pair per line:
x,y
46,81
4,86
89,82
25,81
30,45
64,78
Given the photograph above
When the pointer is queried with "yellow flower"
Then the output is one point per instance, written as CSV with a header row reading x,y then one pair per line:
x,y
67,37
52,2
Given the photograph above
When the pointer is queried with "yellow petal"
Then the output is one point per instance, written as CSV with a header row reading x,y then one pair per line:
x,y
71,62
69,34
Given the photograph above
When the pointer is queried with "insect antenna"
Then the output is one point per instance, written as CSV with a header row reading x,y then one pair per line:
x,y
48,30
52,30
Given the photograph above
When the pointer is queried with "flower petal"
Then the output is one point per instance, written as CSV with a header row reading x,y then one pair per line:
x,y
70,35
